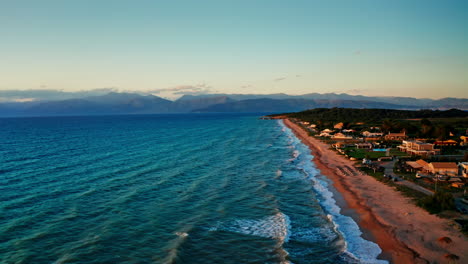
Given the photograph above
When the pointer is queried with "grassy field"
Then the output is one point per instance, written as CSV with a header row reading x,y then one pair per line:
x,y
362,153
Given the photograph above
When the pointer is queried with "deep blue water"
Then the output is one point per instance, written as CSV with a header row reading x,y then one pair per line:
x,y
167,189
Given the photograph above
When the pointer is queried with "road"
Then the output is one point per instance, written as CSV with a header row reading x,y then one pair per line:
x,y
389,171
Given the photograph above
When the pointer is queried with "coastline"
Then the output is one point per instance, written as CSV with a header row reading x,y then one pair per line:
x,y
404,232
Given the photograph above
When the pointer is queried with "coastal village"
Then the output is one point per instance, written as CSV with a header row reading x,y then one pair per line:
x,y
423,164
403,172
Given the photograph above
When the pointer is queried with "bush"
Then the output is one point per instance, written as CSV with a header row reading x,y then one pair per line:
x,y
438,202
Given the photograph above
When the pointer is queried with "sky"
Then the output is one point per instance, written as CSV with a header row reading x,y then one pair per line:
x,y
375,47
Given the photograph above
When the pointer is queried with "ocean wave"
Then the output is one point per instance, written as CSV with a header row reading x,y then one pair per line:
x,y
277,227
354,245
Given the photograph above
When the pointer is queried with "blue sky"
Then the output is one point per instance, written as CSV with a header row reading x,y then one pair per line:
x,y
394,48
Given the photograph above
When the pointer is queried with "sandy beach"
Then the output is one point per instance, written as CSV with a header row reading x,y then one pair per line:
x,y
405,232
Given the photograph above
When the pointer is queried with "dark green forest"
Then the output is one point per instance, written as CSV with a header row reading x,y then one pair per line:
x,y
435,124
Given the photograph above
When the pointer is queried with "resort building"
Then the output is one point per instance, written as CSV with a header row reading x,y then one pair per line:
x,y
396,136
418,148
463,169
445,168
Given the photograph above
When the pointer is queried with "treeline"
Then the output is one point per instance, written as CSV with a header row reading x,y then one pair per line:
x,y
352,115
444,124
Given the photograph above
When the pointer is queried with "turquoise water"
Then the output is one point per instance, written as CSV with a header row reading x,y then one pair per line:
x,y
379,150
167,189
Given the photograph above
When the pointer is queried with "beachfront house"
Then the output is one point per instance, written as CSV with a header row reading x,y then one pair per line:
x,y
444,168
396,136
463,169
418,148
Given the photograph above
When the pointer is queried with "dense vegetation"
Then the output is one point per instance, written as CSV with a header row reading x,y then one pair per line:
x,y
434,124
438,202
371,115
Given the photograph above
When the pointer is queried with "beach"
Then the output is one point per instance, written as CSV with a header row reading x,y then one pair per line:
x,y
404,232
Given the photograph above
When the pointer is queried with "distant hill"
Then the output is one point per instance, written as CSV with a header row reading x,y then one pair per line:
x,y
133,103
291,105
403,102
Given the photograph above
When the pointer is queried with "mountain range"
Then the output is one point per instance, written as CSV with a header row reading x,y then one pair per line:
x,y
133,103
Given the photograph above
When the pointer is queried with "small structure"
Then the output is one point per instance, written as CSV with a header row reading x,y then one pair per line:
x,y
313,126
445,168
446,143
371,134
341,136
365,145
396,136
348,130
327,131
457,184
464,141
463,169
338,126
324,134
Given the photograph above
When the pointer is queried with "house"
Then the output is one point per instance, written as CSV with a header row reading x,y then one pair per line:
x,y
445,168
464,141
458,185
446,143
396,136
418,148
324,134
313,126
419,165
463,169
338,126
341,136
347,130
364,145
372,139
371,134
327,131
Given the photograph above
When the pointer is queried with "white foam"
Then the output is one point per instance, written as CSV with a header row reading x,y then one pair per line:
x,y
181,234
279,173
355,246
277,226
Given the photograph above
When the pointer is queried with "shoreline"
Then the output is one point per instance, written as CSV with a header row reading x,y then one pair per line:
x,y
404,232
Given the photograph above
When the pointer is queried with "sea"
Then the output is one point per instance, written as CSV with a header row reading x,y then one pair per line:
x,y
179,188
